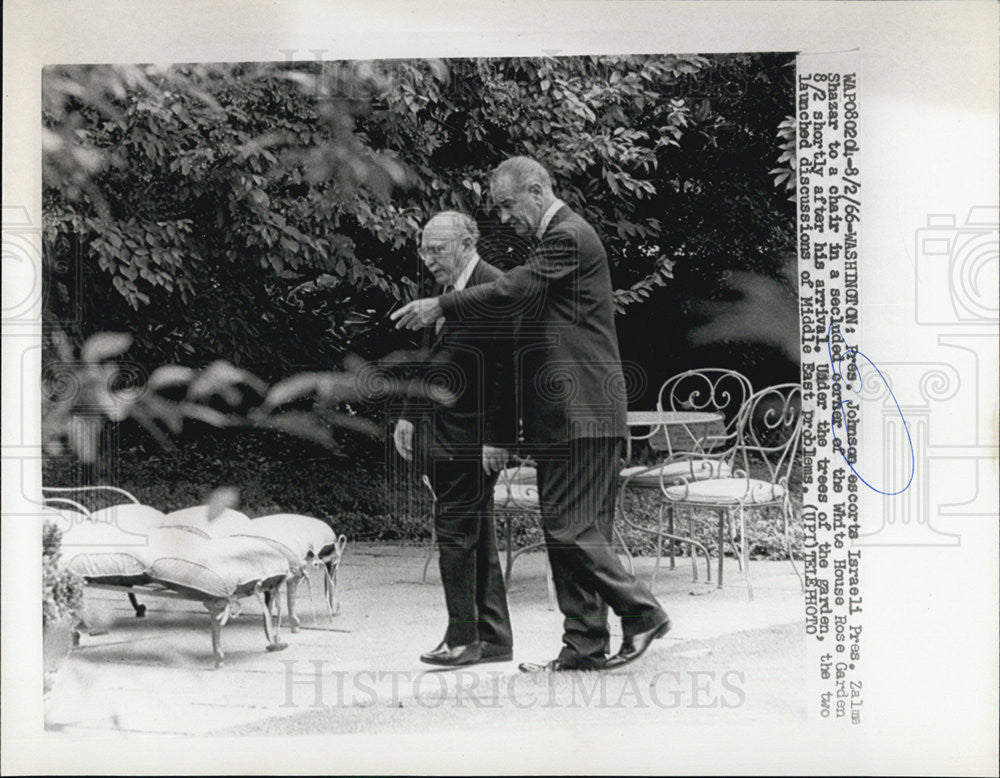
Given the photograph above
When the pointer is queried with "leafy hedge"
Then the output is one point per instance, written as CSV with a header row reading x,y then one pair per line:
x,y
269,213
367,496
62,590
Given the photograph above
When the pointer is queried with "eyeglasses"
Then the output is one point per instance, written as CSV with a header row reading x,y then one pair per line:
x,y
434,250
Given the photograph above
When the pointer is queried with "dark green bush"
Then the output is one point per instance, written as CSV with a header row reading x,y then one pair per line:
x,y
62,591
366,495
269,213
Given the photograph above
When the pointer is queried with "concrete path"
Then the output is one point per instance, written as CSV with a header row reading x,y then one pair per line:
x,y
156,675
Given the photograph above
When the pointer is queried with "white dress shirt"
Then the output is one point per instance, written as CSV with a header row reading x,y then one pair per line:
x,y
547,217
460,283
463,278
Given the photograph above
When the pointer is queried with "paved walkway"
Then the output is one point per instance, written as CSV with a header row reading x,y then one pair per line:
x,y
156,675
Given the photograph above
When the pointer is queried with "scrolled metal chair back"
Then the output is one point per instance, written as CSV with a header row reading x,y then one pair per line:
x,y
768,428
520,486
711,390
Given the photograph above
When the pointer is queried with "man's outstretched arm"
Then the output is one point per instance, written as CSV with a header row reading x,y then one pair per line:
x,y
506,296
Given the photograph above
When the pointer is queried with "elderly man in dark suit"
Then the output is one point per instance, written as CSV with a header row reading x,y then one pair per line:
x,y
572,406
461,448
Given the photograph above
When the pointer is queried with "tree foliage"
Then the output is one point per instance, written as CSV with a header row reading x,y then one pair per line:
x,y
269,214
81,393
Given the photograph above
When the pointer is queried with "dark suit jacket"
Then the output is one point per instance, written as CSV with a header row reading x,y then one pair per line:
x,y
569,374
473,360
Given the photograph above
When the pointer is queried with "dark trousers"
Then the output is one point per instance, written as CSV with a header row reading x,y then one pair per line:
x,y
577,487
474,590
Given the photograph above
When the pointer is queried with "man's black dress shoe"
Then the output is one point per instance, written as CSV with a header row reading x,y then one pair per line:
x,y
560,666
492,652
633,647
453,656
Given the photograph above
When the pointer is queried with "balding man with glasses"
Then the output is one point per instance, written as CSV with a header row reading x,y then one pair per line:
x,y
462,448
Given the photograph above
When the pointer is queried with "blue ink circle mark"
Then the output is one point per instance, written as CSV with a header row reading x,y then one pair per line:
x,y
839,409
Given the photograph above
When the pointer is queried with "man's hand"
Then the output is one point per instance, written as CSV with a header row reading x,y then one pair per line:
x,y
402,436
417,314
494,459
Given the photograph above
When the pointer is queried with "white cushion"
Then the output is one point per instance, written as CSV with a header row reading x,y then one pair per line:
x,y
94,535
517,489
183,559
228,522
513,497
728,491
691,469
519,475
130,517
221,568
107,561
299,538
100,551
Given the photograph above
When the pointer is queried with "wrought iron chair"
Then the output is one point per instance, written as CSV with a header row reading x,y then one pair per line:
x,y
759,464
713,390
516,492
708,389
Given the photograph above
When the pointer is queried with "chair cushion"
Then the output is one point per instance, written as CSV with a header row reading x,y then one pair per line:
x,y
517,489
228,522
299,538
692,469
515,497
100,551
131,517
732,491
219,568
90,550
180,558
520,475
